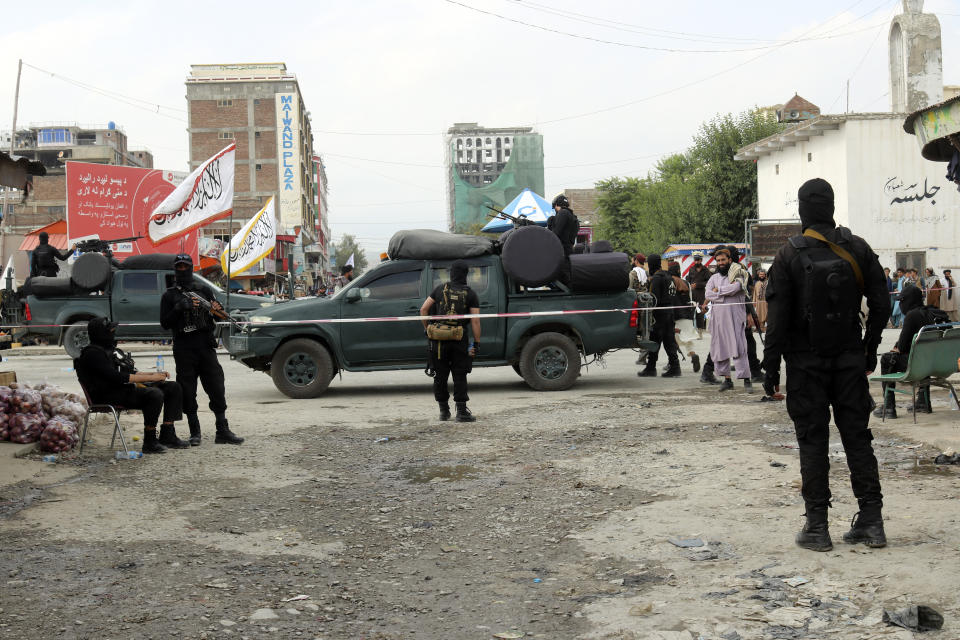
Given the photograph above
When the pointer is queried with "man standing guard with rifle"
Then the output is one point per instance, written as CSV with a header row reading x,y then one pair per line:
x,y
182,310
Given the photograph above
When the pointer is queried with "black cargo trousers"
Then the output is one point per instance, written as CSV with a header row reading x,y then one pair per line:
x,y
450,357
664,335
814,385
197,359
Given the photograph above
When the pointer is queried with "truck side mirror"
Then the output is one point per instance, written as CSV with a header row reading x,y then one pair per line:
x,y
354,295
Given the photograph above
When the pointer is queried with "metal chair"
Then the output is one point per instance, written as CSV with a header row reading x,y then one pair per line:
x,y
114,409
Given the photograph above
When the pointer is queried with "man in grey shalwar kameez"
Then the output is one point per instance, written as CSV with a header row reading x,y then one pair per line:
x,y
728,319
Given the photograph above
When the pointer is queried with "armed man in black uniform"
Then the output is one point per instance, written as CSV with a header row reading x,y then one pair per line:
x,y
665,291
43,262
814,294
195,348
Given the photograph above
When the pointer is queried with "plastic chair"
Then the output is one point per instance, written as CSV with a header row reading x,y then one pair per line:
x,y
114,409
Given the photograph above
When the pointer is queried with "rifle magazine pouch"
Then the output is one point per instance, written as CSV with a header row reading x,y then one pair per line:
x,y
444,332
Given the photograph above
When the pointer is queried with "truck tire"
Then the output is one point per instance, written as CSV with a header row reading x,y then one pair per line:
x,y
158,261
301,368
532,256
75,338
550,362
91,271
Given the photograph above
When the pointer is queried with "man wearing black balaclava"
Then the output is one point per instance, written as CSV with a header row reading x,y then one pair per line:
x,y
195,348
109,377
814,294
664,290
43,261
915,316
450,350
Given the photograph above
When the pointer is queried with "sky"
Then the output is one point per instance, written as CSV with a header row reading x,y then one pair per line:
x,y
612,85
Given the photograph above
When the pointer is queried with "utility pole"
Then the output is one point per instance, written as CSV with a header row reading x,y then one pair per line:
x,y
13,137
848,96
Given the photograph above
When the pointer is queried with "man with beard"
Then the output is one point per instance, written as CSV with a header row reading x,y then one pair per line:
x,y
683,315
195,348
450,354
916,315
109,377
760,299
814,294
948,298
698,277
728,321
662,333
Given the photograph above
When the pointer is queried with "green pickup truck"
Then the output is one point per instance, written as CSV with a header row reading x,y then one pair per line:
x,y
130,298
302,357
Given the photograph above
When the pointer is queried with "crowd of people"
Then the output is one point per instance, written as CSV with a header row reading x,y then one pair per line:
x,y
937,292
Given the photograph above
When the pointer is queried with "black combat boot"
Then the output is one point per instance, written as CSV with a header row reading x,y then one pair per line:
x,y
707,377
463,414
150,442
224,435
695,360
673,370
444,411
168,437
815,534
194,423
726,385
867,527
650,371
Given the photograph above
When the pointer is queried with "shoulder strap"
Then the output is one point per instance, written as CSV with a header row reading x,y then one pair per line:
x,y
842,253
798,242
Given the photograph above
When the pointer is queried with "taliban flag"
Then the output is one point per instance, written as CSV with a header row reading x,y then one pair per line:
x,y
253,242
204,196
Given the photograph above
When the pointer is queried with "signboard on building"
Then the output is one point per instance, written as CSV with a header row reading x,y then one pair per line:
x,y
288,160
765,238
106,201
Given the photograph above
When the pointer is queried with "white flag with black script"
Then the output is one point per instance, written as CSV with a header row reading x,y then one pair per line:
x,y
204,196
253,242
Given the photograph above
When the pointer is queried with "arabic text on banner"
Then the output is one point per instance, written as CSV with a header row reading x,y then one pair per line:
x,y
253,242
206,195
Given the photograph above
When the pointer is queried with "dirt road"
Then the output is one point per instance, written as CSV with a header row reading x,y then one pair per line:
x,y
359,515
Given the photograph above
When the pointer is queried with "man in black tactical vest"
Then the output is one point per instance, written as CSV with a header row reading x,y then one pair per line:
x,y
450,350
664,290
43,262
195,348
815,289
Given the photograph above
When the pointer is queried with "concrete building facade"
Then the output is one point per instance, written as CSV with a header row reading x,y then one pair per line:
x,y
259,107
885,191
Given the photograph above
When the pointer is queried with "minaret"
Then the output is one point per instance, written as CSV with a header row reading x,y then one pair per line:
x,y
916,67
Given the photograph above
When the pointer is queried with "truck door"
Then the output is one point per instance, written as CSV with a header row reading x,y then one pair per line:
x,y
394,292
487,281
136,300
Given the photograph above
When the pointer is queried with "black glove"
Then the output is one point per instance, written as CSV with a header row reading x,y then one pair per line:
x,y
184,304
771,383
871,362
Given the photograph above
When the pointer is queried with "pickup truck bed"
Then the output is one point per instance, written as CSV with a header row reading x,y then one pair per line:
x,y
302,356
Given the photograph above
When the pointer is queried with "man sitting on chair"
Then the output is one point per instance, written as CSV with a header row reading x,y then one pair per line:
x,y
915,316
109,377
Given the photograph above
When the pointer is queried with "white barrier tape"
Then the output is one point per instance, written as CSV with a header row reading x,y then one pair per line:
x,y
514,314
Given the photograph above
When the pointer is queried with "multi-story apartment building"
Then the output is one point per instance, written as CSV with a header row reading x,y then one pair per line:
x,y
259,107
53,144
476,160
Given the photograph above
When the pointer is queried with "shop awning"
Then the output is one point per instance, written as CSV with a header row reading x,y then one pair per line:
x,y
57,232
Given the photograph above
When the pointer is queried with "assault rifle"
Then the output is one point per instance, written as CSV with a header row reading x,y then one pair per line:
x,y
95,245
518,221
219,314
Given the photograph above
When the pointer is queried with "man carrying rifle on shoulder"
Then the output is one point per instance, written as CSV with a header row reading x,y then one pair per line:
x,y
188,309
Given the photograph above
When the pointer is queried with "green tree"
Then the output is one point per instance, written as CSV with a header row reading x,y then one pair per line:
x,y
340,253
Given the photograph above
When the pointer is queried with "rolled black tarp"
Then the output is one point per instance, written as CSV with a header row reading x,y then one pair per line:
x,y
158,261
430,244
532,256
46,287
595,272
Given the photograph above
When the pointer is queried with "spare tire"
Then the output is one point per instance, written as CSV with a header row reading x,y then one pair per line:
x,y
91,271
46,287
533,256
158,261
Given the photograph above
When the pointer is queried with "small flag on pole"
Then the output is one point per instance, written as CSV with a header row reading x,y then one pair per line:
x,y
349,262
204,196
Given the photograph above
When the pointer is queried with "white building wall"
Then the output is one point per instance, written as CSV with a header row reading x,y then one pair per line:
x,y
885,191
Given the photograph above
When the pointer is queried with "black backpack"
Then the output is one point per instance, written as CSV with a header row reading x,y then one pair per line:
x,y
937,316
832,291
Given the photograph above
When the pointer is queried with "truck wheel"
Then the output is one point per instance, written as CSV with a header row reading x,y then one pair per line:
x,y
550,362
302,368
75,338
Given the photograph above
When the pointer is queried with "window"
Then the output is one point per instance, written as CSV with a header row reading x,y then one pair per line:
x,y
55,136
478,277
488,140
259,167
776,169
498,143
256,134
809,157
140,283
459,143
479,142
487,179
470,154
506,141
489,153
256,101
506,153
225,135
469,142
224,103
393,287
